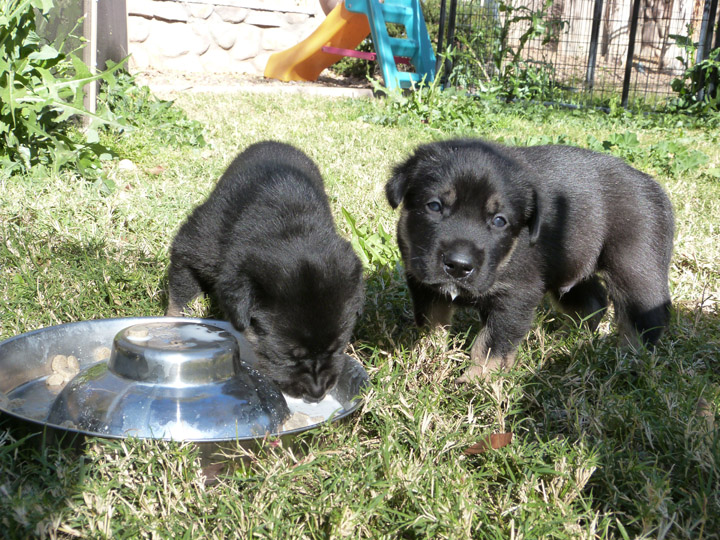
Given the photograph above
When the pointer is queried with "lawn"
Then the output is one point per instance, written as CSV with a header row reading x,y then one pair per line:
x,y
607,443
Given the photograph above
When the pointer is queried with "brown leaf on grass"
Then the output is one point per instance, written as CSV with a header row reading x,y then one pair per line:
x,y
156,170
494,441
704,410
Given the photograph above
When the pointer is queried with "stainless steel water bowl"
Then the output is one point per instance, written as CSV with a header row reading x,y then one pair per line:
x,y
172,380
156,377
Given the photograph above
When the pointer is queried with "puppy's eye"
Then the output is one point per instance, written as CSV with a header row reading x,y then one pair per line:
x,y
434,206
499,221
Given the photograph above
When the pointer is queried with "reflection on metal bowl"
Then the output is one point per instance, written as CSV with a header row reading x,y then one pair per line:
x,y
154,377
172,380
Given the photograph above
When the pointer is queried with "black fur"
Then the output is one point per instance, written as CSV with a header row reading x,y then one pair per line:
x,y
500,226
264,245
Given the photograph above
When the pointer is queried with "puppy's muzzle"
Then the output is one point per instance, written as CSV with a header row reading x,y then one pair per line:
x,y
458,263
314,392
313,389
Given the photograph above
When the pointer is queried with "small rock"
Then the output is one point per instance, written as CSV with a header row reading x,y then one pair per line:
x,y
126,165
232,14
224,34
202,11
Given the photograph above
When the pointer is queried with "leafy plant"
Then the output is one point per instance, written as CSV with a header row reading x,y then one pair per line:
x,y
135,106
41,90
627,142
672,157
430,104
528,80
677,158
489,55
697,87
376,248
537,25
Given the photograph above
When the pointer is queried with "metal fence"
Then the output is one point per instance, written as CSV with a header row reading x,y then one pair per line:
x,y
589,51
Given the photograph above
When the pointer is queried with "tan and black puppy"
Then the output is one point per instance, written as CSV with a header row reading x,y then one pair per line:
x,y
497,227
265,246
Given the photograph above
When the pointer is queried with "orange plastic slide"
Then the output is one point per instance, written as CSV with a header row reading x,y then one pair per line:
x,y
306,60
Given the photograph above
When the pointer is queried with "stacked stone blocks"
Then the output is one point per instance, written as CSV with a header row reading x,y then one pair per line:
x,y
216,35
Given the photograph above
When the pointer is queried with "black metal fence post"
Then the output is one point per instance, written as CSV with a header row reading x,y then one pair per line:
x,y
705,39
441,34
450,39
592,51
713,86
631,53
706,30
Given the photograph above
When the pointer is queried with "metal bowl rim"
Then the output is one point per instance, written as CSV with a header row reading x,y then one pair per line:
x,y
357,401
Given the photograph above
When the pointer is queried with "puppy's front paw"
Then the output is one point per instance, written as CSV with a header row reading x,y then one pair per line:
x,y
174,309
482,367
473,374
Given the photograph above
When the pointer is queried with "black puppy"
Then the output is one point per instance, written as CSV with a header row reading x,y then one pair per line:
x,y
264,244
497,227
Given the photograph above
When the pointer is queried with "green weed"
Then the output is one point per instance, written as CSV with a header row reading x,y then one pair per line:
x,y
696,88
41,88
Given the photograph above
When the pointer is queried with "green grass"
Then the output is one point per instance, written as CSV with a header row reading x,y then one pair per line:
x,y
607,443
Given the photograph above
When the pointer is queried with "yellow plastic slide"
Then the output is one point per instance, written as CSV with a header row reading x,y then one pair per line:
x,y
306,60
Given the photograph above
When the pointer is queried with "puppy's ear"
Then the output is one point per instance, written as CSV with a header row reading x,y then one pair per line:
x,y
397,186
534,217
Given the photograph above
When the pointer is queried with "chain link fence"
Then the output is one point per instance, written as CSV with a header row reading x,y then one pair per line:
x,y
578,51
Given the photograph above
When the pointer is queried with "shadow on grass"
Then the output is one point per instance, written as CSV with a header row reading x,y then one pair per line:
x,y
658,464
39,480
647,420
53,280
50,280
648,417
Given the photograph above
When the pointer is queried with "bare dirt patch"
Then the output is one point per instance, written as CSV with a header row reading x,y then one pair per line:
x,y
328,84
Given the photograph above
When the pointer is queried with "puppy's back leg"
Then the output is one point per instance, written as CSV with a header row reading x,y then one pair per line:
x,y
641,321
586,301
636,264
642,304
182,288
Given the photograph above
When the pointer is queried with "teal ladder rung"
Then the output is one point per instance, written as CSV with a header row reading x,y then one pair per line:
x,y
403,47
408,77
416,46
397,14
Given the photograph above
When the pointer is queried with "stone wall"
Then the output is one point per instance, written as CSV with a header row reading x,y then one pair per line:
x,y
216,35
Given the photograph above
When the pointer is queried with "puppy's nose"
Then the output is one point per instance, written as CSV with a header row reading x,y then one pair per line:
x,y
314,392
458,264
